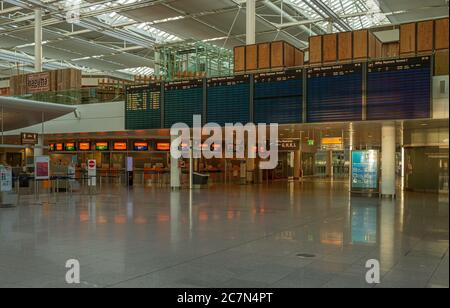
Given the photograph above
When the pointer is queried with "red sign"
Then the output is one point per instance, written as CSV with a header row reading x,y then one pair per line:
x,y
91,164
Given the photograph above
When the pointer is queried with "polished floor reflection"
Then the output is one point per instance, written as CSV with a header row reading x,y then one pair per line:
x,y
226,236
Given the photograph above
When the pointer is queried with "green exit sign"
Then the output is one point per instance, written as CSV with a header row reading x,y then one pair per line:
x,y
311,142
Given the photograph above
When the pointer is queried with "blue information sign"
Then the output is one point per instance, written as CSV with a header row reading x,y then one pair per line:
x,y
365,170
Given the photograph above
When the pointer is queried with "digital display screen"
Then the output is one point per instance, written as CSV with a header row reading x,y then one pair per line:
x,y
140,146
59,147
143,106
279,97
335,93
102,146
183,99
84,146
228,99
70,147
399,89
160,146
120,146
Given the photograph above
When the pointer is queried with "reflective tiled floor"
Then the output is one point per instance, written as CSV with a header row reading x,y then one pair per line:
x,y
227,236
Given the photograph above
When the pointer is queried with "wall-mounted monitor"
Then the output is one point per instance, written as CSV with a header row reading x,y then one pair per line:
x,y
120,146
84,146
163,146
102,146
70,147
140,146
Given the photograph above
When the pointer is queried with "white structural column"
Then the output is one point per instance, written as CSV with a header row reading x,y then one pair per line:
x,y
388,159
38,40
251,22
174,170
38,150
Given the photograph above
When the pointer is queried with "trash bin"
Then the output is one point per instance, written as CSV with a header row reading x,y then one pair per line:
x,y
24,181
200,179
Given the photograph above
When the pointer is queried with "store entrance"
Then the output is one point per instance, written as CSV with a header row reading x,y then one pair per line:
x,y
426,169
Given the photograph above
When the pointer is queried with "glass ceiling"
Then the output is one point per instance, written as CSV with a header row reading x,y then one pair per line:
x,y
115,19
368,12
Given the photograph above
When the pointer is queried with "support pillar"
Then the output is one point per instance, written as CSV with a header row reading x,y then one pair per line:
x,y
174,171
39,150
388,159
157,63
38,40
251,22
329,170
297,165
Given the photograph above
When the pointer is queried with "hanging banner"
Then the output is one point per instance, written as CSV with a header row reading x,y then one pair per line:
x,y
42,167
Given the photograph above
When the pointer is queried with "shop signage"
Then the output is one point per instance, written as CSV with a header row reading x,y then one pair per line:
x,y
59,147
29,138
38,82
42,168
311,142
288,145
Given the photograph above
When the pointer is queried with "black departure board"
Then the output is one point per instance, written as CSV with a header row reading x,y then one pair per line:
x,y
182,100
228,100
278,97
143,106
335,93
399,89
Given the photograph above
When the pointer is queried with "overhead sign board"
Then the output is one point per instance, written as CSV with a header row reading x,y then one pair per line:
x,y
288,145
29,138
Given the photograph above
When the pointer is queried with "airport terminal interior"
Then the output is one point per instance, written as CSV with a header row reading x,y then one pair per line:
x,y
348,98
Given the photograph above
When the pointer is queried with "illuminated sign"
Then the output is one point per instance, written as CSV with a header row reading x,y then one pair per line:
x,y
332,141
310,142
51,147
29,138
59,147
163,146
84,146
140,146
70,147
102,146
288,145
120,146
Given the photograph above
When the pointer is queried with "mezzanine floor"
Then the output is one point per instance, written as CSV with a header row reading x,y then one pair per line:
x,y
228,236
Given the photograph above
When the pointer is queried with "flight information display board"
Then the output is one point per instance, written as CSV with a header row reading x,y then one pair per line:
x,y
229,100
143,107
278,97
182,100
335,93
399,89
